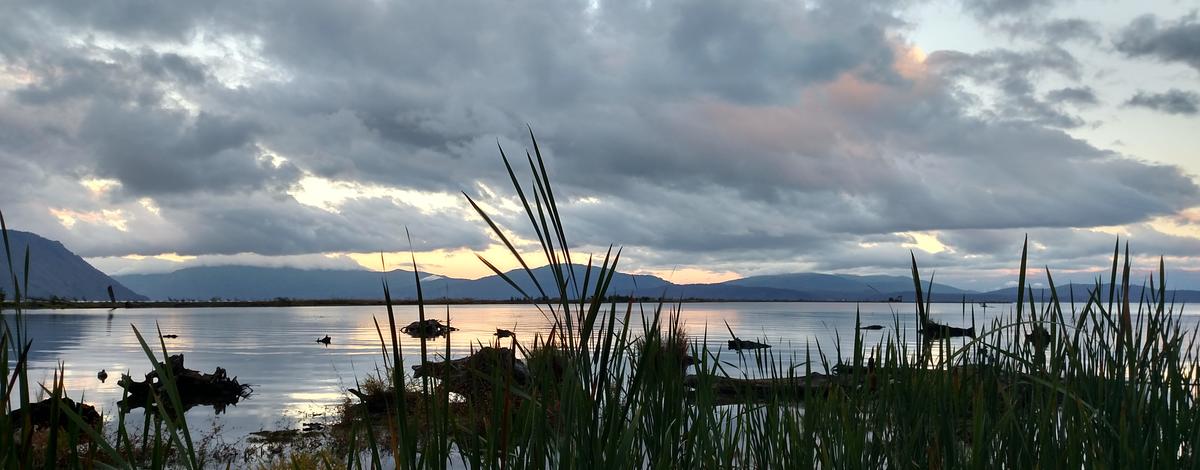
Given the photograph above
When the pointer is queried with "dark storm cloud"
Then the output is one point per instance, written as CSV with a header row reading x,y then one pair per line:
x,y
1173,101
719,132
1168,41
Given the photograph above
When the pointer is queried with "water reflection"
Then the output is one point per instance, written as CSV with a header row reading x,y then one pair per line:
x,y
293,377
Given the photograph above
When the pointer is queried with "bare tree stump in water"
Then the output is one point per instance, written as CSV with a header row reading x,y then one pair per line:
x,y
195,388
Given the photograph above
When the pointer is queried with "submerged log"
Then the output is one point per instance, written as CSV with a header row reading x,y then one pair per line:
x,y
740,344
472,376
728,390
1039,338
40,413
195,388
934,330
430,328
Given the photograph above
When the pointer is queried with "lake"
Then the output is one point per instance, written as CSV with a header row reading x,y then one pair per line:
x,y
296,379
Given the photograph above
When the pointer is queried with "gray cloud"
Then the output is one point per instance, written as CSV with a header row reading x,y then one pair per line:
x,y
1173,101
986,9
1053,31
754,137
1168,41
1081,96
1014,74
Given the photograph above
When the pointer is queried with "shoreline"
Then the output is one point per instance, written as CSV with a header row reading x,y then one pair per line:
x,y
71,305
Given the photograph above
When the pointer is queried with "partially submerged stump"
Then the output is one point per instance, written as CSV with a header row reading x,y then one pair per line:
x,y
430,328
215,389
934,330
728,390
740,344
1039,338
40,413
472,376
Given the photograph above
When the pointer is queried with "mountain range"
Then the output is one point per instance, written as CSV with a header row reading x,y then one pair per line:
x,y
258,283
57,272
54,271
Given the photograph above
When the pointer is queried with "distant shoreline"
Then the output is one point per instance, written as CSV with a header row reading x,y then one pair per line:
x,y
67,304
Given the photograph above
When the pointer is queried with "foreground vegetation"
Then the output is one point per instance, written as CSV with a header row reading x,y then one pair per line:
x,y
1108,385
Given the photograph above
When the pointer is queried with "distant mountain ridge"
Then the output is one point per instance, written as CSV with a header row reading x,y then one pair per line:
x,y
54,271
57,272
259,283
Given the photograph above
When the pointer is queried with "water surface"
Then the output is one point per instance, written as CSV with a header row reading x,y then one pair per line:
x,y
296,379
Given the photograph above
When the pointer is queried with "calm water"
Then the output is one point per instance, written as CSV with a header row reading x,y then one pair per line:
x,y
295,379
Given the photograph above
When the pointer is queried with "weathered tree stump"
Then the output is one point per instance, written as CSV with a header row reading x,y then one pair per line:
x,y
740,344
472,376
430,328
215,389
40,413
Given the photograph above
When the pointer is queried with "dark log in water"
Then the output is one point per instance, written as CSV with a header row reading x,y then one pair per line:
x,y
728,390
740,344
40,413
430,328
195,388
472,376
1039,338
934,330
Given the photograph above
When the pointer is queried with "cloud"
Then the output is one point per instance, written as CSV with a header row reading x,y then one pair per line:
x,y
1173,101
1014,74
1167,41
1057,31
986,9
1082,96
736,136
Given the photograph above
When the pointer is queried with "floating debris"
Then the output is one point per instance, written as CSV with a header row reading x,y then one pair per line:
x,y
933,330
170,336
872,327
1039,338
471,376
430,328
40,413
215,389
738,344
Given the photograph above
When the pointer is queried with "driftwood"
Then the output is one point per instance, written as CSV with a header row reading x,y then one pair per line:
x,y
934,330
1039,338
728,390
740,344
215,389
872,327
430,328
472,376
40,413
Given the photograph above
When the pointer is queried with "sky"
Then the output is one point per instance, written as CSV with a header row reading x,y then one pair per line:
x,y
709,139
